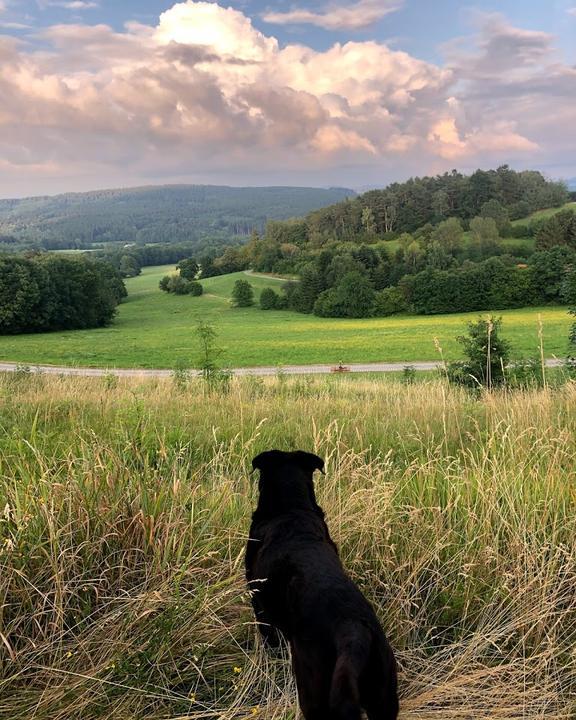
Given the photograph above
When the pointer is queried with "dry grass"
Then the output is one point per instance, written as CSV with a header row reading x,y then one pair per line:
x,y
125,508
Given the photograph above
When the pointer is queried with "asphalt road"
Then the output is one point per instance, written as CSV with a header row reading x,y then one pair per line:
x,y
286,369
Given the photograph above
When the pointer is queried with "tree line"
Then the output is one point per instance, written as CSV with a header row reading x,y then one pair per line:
x,y
54,292
148,215
463,262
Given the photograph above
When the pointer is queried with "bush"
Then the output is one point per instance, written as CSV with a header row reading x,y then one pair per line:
x,y
389,301
487,356
196,288
269,299
242,294
353,297
164,284
526,373
178,285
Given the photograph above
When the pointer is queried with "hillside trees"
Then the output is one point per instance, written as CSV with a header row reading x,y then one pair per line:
x,y
500,194
549,270
54,292
560,229
191,214
485,237
352,297
495,209
129,266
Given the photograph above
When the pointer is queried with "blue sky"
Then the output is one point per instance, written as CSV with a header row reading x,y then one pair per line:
x,y
104,92
420,27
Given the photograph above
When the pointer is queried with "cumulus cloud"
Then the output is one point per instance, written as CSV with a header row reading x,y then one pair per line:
x,y
204,94
354,16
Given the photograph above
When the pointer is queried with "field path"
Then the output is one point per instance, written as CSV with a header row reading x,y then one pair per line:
x,y
267,276
271,370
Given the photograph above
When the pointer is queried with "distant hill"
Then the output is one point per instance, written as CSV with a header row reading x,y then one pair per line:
x,y
170,213
571,183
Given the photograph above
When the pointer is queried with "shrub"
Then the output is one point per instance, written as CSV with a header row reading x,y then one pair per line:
x,y
164,284
526,373
215,379
389,301
178,285
242,294
487,355
269,299
353,297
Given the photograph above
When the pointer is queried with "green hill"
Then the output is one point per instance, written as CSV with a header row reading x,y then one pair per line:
x,y
169,214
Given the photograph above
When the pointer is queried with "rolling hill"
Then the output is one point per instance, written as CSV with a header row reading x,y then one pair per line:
x,y
170,213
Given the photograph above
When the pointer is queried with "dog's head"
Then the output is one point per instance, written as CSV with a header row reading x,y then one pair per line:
x,y
286,480
273,460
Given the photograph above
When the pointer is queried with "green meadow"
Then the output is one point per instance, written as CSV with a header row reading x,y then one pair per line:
x,y
157,330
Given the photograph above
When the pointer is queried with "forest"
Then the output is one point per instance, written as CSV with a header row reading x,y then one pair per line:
x,y
452,243
53,292
164,214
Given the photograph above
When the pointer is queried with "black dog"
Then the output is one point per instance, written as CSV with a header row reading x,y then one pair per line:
x,y
340,656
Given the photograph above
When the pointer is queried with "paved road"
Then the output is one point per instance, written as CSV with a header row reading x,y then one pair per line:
x,y
286,369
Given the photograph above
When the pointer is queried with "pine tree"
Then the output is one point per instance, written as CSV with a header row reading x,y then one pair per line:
x,y
487,355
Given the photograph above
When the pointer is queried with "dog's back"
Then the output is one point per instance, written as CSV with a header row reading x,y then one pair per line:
x,y
341,658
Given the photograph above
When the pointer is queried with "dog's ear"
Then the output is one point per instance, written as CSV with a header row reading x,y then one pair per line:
x,y
309,461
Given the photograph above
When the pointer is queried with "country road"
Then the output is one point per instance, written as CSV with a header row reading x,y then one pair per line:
x,y
262,371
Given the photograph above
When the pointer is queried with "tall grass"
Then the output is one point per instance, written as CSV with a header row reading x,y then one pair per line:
x,y
124,512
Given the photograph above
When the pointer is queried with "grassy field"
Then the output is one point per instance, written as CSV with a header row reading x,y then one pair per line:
x,y
124,510
393,245
155,330
544,214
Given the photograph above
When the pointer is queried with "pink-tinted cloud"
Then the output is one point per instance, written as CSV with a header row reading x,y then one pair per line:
x,y
204,95
349,16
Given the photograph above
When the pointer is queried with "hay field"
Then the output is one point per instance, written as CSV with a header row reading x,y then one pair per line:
x,y
125,505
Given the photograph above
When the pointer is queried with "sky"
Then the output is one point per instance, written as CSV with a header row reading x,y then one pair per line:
x,y
114,93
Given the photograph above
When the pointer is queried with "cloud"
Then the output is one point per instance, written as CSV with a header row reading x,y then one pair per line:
x,y
202,94
14,26
71,4
226,31
355,16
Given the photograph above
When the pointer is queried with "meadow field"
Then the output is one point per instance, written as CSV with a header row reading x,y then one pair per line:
x,y
125,507
157,330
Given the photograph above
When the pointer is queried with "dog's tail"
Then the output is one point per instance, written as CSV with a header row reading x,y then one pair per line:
x,y
352,656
